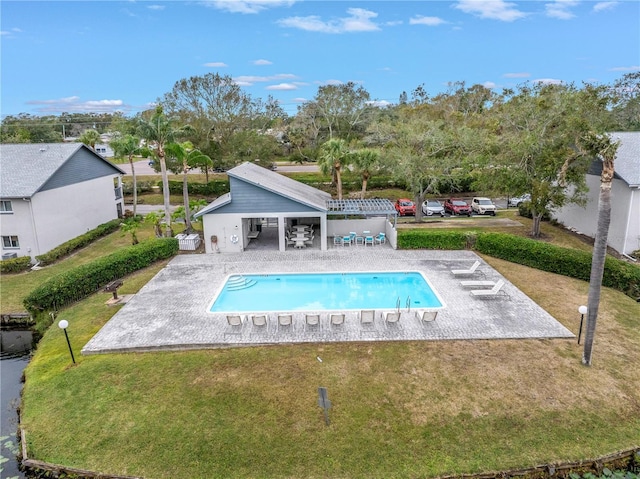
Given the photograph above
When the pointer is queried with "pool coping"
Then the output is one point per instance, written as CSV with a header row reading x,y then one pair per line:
x,y
170,311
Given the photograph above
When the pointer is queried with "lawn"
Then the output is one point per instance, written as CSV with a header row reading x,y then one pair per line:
x,y
411,409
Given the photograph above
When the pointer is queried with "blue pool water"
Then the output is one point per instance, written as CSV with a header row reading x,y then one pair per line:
x,y
325,292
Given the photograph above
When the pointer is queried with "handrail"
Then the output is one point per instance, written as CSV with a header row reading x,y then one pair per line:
x,y
398,304
408,304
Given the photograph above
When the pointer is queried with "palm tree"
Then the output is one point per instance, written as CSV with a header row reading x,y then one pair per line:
x,y
129,146
190,157
606,149
90,138
365,161
334,155
158,131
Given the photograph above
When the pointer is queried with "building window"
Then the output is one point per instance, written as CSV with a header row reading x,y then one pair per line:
x,y
10,242
6,207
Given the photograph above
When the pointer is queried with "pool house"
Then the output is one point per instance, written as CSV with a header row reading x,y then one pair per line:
x,y
263,207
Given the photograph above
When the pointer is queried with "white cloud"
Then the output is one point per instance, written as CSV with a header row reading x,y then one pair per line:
x,y
10,32
517,75
251,79
299,100
262,62
561,9
155,7
215,64
548,81
283,87
359,20
633,68
492,9
247,6
429,21
73,104
379,103
489,84
601,6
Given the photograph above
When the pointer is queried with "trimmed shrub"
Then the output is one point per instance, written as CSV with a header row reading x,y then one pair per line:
x,y
15,265
420,238
78,242
618,274
213,188
80,282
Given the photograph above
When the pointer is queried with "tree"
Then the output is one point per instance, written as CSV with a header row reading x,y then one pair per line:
x,y
158,131
365,161
129,146
626,108
343,109
606,149
131,226
90,138
334,155
189,157
538,131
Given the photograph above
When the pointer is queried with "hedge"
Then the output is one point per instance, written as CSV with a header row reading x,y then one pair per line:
x,y
84,280
78,242
420,238
213,188
15,265
618,274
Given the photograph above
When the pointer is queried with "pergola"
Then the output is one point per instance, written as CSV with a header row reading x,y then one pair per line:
x,y
369,207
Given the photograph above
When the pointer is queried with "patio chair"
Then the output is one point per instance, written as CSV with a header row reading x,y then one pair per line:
x,y
477,284
235,324
285,321
426,316
463,272
346,240
312,322
336,320
367,321
392,319
493,292
337,240
368,240
260,323
381,238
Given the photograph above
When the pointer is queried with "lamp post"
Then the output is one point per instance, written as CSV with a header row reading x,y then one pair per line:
x,y
63,325
582,310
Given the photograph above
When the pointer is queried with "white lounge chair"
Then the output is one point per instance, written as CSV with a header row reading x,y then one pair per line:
x,y
495,291
426,315
477,284
462,272
367,321
392,319
285,321
260,323
236,322
336,319
312,322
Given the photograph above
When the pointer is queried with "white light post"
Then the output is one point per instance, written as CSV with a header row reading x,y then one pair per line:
x,y
582,310
63,325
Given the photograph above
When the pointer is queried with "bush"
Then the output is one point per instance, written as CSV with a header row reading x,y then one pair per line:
x,y
79,242
618,274
141,186
524,209
420,238
213,188
80,282
15,265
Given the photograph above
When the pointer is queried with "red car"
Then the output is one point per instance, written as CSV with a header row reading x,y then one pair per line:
x,y
405,207
456,206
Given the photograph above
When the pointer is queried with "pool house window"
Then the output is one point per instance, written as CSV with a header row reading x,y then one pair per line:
x,y
5,207
9,242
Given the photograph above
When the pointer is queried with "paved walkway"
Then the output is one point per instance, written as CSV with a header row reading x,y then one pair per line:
x,y
170,312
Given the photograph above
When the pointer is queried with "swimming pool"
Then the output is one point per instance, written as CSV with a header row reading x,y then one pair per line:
x,y
325,292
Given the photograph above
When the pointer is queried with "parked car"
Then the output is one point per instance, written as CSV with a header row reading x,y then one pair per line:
x,y
516,200
456,206
483,206
405,207
432,207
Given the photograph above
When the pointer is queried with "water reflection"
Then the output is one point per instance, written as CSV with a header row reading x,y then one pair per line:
x,y
15,352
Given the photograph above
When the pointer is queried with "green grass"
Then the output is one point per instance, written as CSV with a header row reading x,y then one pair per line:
x,y
406,409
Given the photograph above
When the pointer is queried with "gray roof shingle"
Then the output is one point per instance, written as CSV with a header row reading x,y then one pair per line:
x,y
627,162
24,168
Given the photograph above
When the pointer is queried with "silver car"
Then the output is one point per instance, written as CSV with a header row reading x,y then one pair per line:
x,y
432,207
516,200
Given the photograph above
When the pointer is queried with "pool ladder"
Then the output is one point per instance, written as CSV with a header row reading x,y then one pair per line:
x,y
238,282
407,304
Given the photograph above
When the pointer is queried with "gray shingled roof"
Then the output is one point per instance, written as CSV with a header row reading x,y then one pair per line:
x,y
281,185
627,163
25,168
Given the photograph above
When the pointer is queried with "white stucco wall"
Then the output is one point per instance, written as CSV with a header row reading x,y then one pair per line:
x,y
624,230
53,217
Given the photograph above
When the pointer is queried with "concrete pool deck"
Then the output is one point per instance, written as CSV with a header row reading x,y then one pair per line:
x,y
171,311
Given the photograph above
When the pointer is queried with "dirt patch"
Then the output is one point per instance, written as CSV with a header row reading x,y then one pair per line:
x,y
473,222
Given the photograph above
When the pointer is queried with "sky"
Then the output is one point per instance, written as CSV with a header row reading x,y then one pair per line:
x,y
107,56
